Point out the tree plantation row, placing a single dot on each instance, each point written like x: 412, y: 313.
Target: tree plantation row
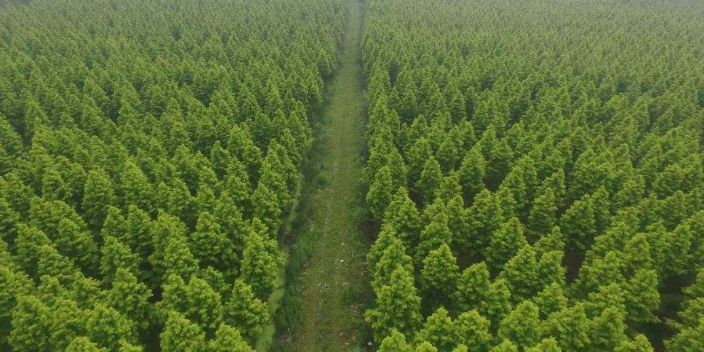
x: 535, y: 171
x: 149, y: 150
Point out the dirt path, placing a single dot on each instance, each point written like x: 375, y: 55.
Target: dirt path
x: 330, y: 313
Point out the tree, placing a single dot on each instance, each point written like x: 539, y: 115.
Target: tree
x: 397, y: 307
x: 570, y: 327
x: 259, y: 266
x: 108, y: 326
x: 439, y: 273
x: 165, y: 231
x: 204, y: 305
x: 552, y: 241
x: 457, y: 222
x: 79, y: 245
x: 497, y: 302
x: 29, y: 333
x: 267, y: 208
x: 228, y: 339
x: 210, y: 246
x: 179, y: 260
x: 642, y: 297
x: 579, y: 225
x: 52, y: 263
x: 600, y: 272
x: 130, y: 298
x: 138, y: 230
x: 395, y: 342
x: 9, y: 220
x: 438, y: 330
x: 428, y: 184
x: 116, y: 255
x: 608, y: 296
x: 689, y: 339
x: 136, y: 187
x: 505, y: 346
x: 27, y: 244
x: 181, y: 335
x: 84, y: 344
x: 639, y: 343
x: 608, y: 330
x: 386, y: 236
x: 472, y: 330
x: 472, y: 286
x: 505, y: 243
x: 54, y: 187
x: 245, y: 312
x: 380, y: 191
x: 98, y: 195
x: 521, y: 275
x: 484, y: 217
x: 546, y: 345
x: 522, y: 325
x: 550, y: 269
x: 542, y: 216
x: 471, y: 173
x: 403, y: 216
x: 181, y: 203
x: 394, y: 256
x: 433, y: 236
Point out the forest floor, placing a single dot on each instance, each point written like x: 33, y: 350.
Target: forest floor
x: 330, y: 315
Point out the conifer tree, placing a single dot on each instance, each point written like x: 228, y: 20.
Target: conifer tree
x: 181, y: 335
x: 472, y: 286
x: 439, y: 274
x: 570, y: 327
x: 84, y: 344
x: 228, y: 339
x: 115, y: 256
x: 546, y: 345
x: 522, y: 325
x: 393, y: 256
x: 608, y: 330
x: 497, y: 302
x: 639, y: 343
x: 210, y: 246
x: 380, y: 192
x: 245, y: 312
x: 438, y: 330
x: 483, y: 217
x: 505, y: 346
x: 397, y: 307
x: 108, y: 326
x: 98, y: 194
x: 259, y: 265
x: 130, y: 298
x: 395, y: 342
x: 136, y: 188
x: 433, y: 236
x: 403, y: 215
x: 505, y: 243
x: 472, y: 330
x: 428, y: 184
x: 578, y: 224
x: 542, y: 216
x: 521, y: 274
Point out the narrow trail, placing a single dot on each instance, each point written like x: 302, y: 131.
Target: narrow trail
x: 330, y: 314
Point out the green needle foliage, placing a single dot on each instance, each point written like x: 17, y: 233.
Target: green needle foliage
x: 554, y: 152
x: 149, y: 152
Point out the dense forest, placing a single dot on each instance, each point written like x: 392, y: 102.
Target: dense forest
x: 535, y: 173
x: 149, y: 151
